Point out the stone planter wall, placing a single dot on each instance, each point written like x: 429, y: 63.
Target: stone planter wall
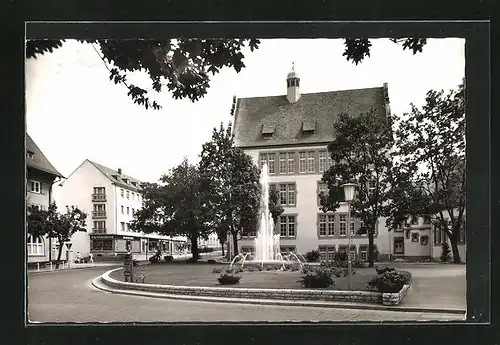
x: 228, y: 292
x: 396, y: 297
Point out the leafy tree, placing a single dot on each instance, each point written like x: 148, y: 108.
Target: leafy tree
x: 56, y: 225
x: 185, y: 64
x: 182, y: 66
x: 233, y: 182
x: 178, y: 206
x: 361, y: 154
x: 431, y: 148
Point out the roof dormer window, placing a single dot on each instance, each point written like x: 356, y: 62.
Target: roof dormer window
x: 267, y: 131
x: 30, y: 154
x: 308, y: 127
x: 126, y: 180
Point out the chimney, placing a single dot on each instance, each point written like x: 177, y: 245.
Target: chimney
x: 119, y: 171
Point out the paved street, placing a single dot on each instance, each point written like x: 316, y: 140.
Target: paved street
x: 67, y: 296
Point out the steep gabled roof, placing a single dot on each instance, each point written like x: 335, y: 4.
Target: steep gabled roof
x: 252, y: 115
x: 117, y: 178
x: 38, y: 160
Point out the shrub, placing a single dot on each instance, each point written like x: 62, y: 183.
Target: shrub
x: 319, y: 278
x: 269, y: 267
x: 168, y: 258
x: 358, y: 264
x: 340, y: 256
x: 375, y: 254
x: 217, y: 270
x: 228, y: 279
x: 154, y: 259
x: 312, y: 256
x: 389, y: 281
x: 294, y: 268
x: 211, y: 261
x: 238, y: 270
x: 229, y: 270
x: 381, y: 270
x: 445, y: 252
x: 250, y: 269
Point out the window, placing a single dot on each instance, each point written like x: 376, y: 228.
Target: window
x: 399, y: 245
x: 343, y: 225
x: 35, y: 245
x: 398, y: 227
x: 287, y: 226
x: 291, y: 162
x: 352, y: 227
x: 322, y: 189
x: 99, y: 207
x: 133, y: 196
x: 287, y: 194
x: 123, y: 209
x: 133, y: 211
x: 99, y: 227
x: 329, y: 161
x: 35, y: 187
x: 128, y: 195
x: 283, y: 163
x: 101, y: 244
x: 326, y: 253
x: 424, y: 240
x: 138, y: 197
x: 310, y: 161
x: 302, y: 162
x: 363, y: 253
x: 413, y: 220
x: 128, y: 227
x: 121, y: 192
x: 371, y: 187
x: 122, y: 224
x: 322, y: 161
x: 263, y: 160
x: 365, y: 231
x: 30, y: 154
x: 128, y: 211
x: 326, y: 225
x: 271, y: 166
x: 99, y: 190
x: 252, y: 233
x: 415, y: 236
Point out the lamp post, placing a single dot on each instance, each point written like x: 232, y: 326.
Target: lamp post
x: 349, y: 196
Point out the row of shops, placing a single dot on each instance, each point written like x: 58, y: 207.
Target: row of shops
x: 121, y: 244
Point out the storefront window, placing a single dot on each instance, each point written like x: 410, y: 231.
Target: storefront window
x: 101, y: 244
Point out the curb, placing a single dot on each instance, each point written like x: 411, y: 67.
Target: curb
x: 100, y: 283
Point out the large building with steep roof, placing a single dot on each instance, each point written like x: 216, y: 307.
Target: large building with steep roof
x: 110, y: 198
x: 41, y: 175
x: 291, y: 133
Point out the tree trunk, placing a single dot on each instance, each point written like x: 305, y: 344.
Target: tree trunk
x: 235, y: 243
x: 59, y: 253
x: 222, y: 247
x: 370, y: 248
x: 194, y: 248
x: 454, y: 247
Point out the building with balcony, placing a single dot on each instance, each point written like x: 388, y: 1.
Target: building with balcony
x: 41, y: 175
x: 110, y: 198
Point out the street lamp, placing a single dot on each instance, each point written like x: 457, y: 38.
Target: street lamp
x: 349, y: 196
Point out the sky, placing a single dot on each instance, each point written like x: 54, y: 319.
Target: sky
x: 75, y: 113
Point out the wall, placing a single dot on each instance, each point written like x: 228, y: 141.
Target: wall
x: 131, y: 202
x: 77, y: 190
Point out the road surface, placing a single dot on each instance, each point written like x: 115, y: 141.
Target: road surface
x: 68, y: 296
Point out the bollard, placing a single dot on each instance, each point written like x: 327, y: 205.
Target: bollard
x: 51, y: 265
x: 38, y: 266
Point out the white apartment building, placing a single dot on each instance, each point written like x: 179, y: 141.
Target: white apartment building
x: 291, y: 133
x: 110, y: 198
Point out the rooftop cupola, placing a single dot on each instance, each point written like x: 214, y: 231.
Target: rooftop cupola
x: 292, y: 85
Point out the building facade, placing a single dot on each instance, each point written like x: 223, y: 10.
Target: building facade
x: 291, y: 134
x: 110, y: 199
x: 41, y: 175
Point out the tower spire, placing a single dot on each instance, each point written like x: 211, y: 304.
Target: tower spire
x: 292, y: 83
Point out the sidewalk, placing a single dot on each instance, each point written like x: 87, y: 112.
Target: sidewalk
x: 73, y: 266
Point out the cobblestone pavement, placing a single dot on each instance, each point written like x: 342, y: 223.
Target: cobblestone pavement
x: 67, y: 296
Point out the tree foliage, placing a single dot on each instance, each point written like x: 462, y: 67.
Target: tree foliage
x: 178, y: 206
x: 57, y: 225
x: 431, y: 148
x: 233, y: 182
x: 183, y: 66
x: 360, y: 154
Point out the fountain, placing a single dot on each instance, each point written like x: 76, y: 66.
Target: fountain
x: 267, y: 244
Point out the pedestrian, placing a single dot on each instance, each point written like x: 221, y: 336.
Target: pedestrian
x: 78, y: 257
x: 91, y: 256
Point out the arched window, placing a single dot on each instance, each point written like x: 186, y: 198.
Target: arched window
x: 35, y: 245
